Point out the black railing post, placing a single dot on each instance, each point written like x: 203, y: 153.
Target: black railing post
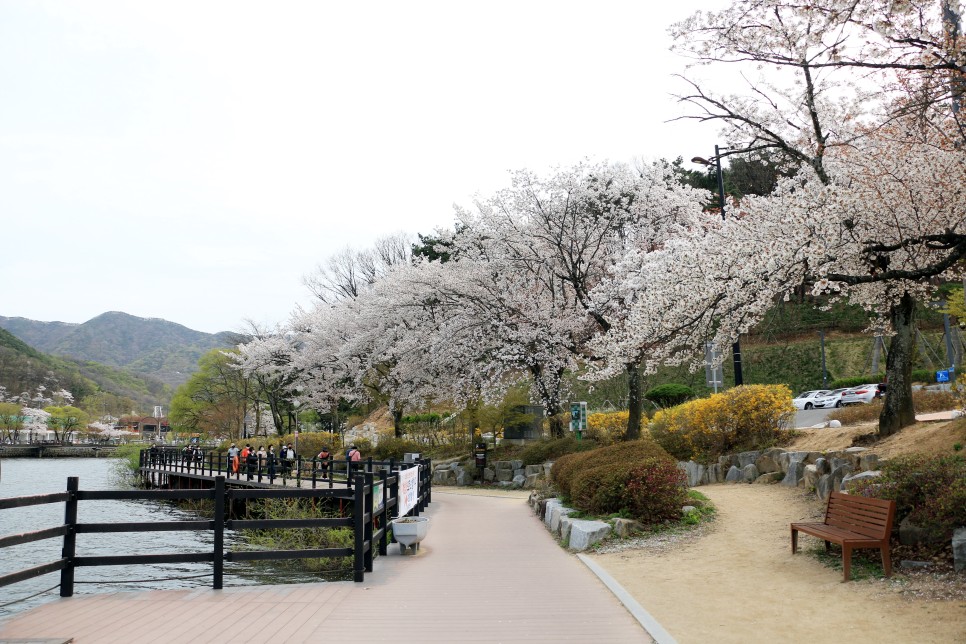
x: 219, y: 541
x: 70, y: 538
x: 298, y: 472
x: 358, y: 526
x: 384, y: 514
x: 368, y: 505
x: 429, y: 481
x: 313, y: 472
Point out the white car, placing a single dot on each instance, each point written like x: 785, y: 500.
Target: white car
x: 807, y: 399
x: 863, y: 394
x: 833, y: 399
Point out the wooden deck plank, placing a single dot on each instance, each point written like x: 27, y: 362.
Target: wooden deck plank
x: 488, y: 571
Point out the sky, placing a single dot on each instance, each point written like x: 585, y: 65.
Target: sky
x: 193, y: 160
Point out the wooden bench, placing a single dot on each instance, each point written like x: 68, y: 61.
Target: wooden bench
x: 853, y: 522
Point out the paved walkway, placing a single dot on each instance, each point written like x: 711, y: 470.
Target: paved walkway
x: 488, y: 571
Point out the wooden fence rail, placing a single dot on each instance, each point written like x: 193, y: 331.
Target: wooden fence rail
x: 369, y: 519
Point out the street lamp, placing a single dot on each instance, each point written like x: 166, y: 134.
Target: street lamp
x: 736, y: 347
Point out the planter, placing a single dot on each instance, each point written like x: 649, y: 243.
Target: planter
x: 409, y: 531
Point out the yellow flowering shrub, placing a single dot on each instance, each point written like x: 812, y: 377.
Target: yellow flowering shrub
x: 607, y: 428
x: 739, y: 419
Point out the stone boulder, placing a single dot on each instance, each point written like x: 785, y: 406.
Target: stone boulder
x: 769, y: 478
x: 861, y: 476
x: 795, y: 471
x: 959, y: 549
x: 787, y: 458
x: 733, y: 475
x: 624, y: 528
x: 532, y: 480
x: 584, y: 533
x: 549, y: 508
x: 519, y: 480
x: 749, y: 473
x: 533, y: 469
x: 768, y: 461
x: 694, y: 471
x: 747, y: 458
x: 503, y: 476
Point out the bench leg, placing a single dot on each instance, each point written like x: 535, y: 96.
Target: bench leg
x: 886, y: 560
x: 828, y: 546
x: 846, y: 561
x: 794, y: 540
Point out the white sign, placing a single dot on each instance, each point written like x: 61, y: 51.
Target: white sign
x: 408, y: 489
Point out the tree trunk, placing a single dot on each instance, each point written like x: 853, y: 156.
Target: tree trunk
x: 635, y: 402
x: 556, y: 420
x: 397, y: 414
x: 897, y: 409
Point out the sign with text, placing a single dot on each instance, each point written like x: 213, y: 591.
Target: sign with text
x: 408, y: 489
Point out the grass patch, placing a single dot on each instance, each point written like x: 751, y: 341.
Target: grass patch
x: 866, y: 564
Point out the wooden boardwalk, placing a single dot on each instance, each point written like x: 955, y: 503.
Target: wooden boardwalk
x: 488, y: 571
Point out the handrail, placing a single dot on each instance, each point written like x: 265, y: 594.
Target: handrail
x: 359, y: 491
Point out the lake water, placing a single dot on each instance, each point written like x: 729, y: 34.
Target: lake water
x: 30, y: 476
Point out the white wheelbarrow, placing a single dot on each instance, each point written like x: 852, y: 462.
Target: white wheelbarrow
x: 409, y: 531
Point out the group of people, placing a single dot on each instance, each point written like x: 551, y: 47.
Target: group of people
x: 192, y: 453
x: 251, y: 461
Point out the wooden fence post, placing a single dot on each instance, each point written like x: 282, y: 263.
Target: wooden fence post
x: 358, y: 526
x: 368, y: 505
x: 70, y: 538
x: 219, y: 542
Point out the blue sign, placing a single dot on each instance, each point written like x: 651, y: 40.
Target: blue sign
x: 942, y: 375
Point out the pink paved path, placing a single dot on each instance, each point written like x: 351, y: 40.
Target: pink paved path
x: 488, y: 571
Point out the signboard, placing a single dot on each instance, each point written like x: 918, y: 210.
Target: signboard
x: 713, y: 371
x: 408, y: 489
x: 942, y: 375
x: 376, y: 496
x: 578, y: 416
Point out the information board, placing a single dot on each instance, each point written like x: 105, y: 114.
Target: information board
x: 408, y: 489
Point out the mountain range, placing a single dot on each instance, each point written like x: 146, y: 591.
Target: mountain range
x: 158, y: 354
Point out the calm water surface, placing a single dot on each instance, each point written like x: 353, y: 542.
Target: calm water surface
x: 29, y: 476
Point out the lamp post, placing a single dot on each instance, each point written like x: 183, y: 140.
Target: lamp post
x: 736, y: 347
x: 295, y: 405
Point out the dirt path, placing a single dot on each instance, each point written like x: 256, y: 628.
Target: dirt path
x: 740, y: 583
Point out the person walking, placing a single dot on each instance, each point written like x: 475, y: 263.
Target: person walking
x: 352, y: 457
x: 251, y: 462
x: 272, y: 459
x: 324, y: 459
x: 232, y: 465
x: 262, y: 460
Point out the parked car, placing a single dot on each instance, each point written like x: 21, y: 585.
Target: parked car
x: 833, y: 399
x: 807, y: 399
x: 863, y: 394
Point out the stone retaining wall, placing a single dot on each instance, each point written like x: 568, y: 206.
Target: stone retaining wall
x: 821, y: 471
x: 504, y: 474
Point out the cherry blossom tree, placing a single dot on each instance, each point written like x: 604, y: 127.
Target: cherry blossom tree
x: 567, y: 231
x: 840, y: 88
x: 888, y: 218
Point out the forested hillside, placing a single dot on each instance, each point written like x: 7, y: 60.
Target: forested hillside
x: 155, y: 348
x: 104, y: 389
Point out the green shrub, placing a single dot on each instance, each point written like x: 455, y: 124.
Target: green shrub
x: 567, y: 467
x: 551, y: 449
x: 855, y: 381
x: 607, y: 428
x: 636, y: 479
x: 394, y: 448
x: 656, y: 491
x: 929, y: 490
x: 670, y: 394
x: 740, y: 419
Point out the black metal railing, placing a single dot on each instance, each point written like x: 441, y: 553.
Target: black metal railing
x: 298, y: 471
x: 369, y: 519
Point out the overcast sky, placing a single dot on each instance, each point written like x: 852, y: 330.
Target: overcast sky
x: 193, y: 160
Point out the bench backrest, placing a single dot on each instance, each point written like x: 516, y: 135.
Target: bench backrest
x: 869, y: 517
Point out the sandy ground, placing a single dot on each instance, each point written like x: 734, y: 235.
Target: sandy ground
x: 740, y: 583
x: 921, y: 438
